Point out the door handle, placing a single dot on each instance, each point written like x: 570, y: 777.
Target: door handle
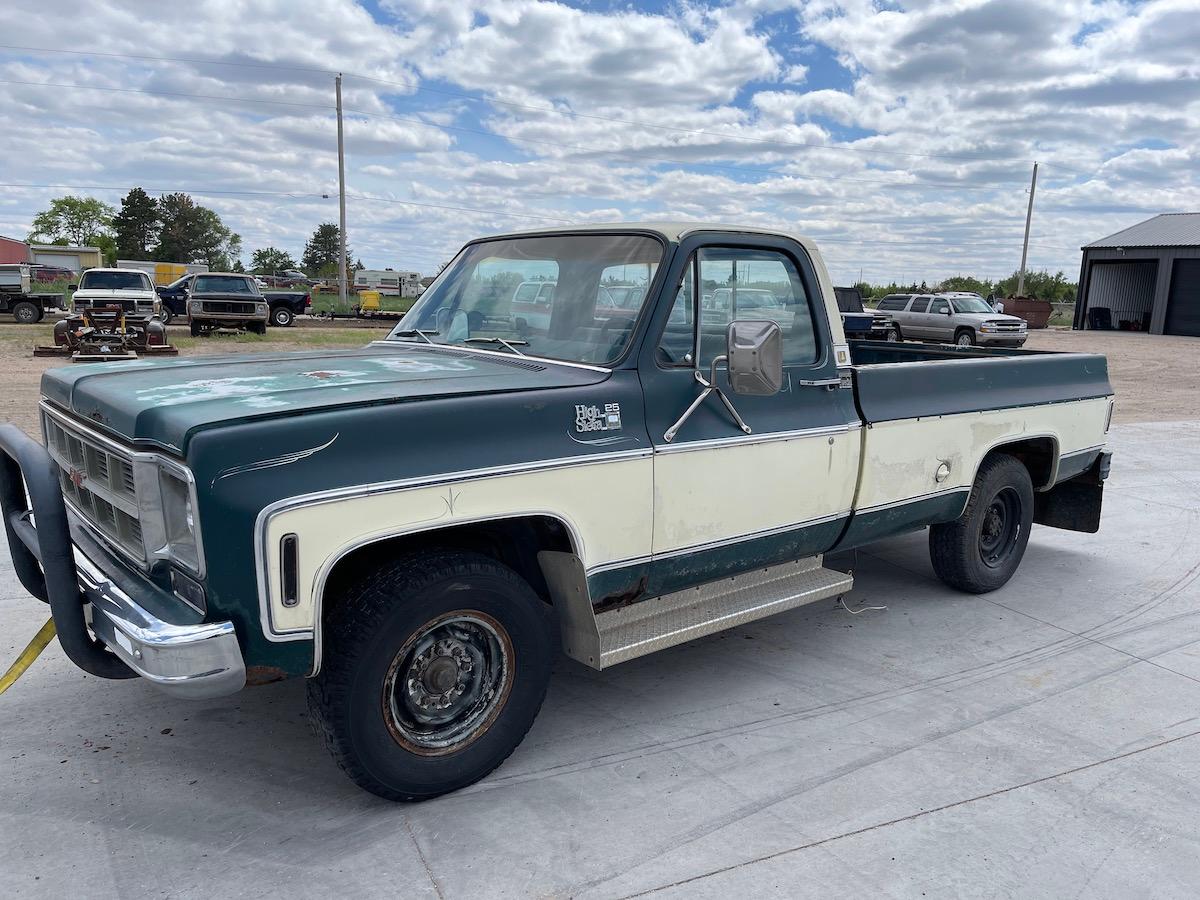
x: 827, y: 383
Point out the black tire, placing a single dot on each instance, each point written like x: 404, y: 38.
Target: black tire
x: 281, y: 316
x: 165, y: 315
x: 365, y: 689
x: 196, y: 330
x: 964, y: 337
x: 895, y: 335
x: 26, y: 312
x: 257, y: 327
x: 979, y: 551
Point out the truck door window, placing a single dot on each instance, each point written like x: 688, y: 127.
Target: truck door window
x: 920, y: 305
x: 940, y: 306
x: 753, y: 284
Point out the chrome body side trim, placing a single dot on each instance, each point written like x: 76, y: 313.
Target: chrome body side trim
x: 764, y: 438
x: 918, y: 499
x: 191, y: 661
x: 718, y: 544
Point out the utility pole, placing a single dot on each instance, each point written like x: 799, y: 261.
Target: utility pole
x: 1028, y: 219
x: 342, y: 200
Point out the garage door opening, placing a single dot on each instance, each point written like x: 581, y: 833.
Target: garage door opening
x: 1121, y: 295
x: 1183, y: 302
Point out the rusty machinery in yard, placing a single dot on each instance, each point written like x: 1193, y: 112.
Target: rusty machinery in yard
x: 107, y: 334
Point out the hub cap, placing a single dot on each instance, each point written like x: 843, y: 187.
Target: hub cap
x: 1001, y: 528
x: 448, y: 683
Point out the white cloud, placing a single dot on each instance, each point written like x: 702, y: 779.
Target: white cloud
x: 734, y: 112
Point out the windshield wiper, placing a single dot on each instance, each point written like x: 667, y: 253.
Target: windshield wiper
x: 416, y: 332
x: 498, y: 340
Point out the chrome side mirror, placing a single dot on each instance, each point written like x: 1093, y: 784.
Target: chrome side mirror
x: 755, y: 350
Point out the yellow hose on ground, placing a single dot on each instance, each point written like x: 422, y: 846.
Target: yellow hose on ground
x: 44, y: 636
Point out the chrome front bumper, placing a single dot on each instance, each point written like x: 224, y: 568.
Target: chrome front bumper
x: 192, y: 661
x: 1007, y: 338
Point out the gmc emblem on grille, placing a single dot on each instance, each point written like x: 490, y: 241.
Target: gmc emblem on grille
x: 77, y: 478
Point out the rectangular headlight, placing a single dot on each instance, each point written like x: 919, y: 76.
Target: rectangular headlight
x: 179, y: 520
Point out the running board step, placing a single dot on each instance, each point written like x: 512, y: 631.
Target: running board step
x: 671, y: 619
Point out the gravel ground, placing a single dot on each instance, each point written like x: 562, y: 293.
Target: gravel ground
x: 1157, y: 378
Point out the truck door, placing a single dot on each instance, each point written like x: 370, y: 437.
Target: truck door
x: 941, y: 324
x: 918, y: 318
x: 726, y: 501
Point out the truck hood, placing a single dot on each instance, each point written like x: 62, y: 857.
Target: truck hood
x: 96, y: 294
x: 164, y: 402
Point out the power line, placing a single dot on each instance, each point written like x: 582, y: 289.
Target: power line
x: 417, y: 87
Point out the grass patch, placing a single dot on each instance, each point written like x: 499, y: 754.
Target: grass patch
x: 328, y: 302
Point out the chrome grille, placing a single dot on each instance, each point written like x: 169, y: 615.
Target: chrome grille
x: 98, y: 482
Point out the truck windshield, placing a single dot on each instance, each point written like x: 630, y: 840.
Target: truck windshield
x: 115, y: 281
x: 224, y: 284
x: 543, y: 296
x: 971, y: 305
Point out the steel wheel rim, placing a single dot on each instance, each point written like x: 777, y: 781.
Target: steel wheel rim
x: 964, y: 340
x: 448, y: 683
x: 1000, y: 529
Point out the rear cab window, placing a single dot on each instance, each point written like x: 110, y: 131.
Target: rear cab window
x: 115, y: 281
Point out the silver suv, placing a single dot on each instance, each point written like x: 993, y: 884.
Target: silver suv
x: 961, y: 320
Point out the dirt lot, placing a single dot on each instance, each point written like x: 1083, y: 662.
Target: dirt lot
x: 1156, y: 378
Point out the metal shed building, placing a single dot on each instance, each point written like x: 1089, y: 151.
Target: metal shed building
x: 1145, y: 278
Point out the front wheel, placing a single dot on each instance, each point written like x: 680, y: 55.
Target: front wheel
x: 196, y: 329
x: 980, y: 551
x: 964, y: 338
x: 433, y: 671
x: 894, y: 335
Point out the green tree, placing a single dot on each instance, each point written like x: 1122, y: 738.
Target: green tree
x: 79, y: 221
x: 321, y: 252
x: 1041, y: 285
x: 194, y: 233
x: 982, y: 287
x: 269, y: 260
x: 135, y: 227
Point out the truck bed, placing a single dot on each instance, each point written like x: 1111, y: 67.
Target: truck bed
x: 907, y: 381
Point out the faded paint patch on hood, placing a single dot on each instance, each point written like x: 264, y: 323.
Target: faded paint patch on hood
x: 164, y: 401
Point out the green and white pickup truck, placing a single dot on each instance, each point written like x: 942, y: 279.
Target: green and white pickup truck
x: 418, y: 526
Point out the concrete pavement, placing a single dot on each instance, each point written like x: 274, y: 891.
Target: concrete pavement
x: 1039, y: 741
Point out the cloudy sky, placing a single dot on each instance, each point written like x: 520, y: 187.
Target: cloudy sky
x: 899, y: 134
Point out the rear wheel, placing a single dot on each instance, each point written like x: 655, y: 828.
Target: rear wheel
x: 165, y: 315
x: 26, y: 312
x: 964, y: 337
x: 980, y: 551
x: 281, y: 316
x: 433, y: 671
